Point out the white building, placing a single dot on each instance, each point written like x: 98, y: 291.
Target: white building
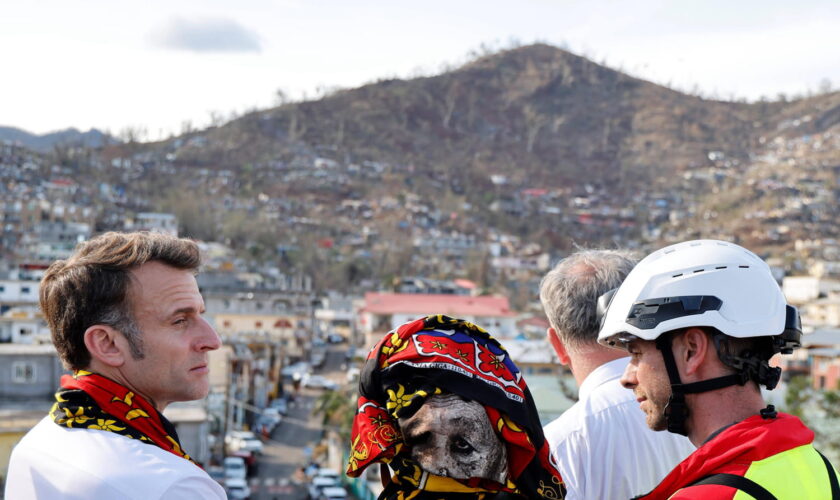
x: 801, y: 289
x: 17, y: 292
x: 156, y: 222
x: 23, y: 327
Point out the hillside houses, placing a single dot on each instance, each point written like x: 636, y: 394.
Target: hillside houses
x: 363, y: 224
x: 20, y: 319
x: 822, y: 348
x: 382, y: 312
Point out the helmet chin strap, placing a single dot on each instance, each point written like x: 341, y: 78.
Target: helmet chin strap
x: 676, y: 411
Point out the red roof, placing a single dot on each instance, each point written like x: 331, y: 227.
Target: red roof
x: 465, y: 283
x: 425, y: 303
x: 534, y: 321
x: 535, y: 192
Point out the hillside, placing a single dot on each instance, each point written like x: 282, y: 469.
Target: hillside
x: 537, y: 109
x: 537, y: 115
x: 534, y: 144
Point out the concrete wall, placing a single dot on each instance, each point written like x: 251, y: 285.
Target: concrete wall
x: 29, y: 371
x: 190, y: 420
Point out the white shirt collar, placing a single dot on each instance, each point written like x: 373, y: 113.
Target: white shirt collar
x: 607, y: 372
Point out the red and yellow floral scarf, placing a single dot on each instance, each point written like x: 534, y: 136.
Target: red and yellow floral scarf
x: 441, y: 354
x: 90, y: 401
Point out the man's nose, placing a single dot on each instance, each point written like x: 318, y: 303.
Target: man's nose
x: 210, y: 340
x: 628, y: 378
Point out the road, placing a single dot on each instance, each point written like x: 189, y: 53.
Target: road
x: 285, y: 452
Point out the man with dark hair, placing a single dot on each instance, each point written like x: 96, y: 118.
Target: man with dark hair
x: 701, y: 320
x: 601, y: 443
x: 125, y: 315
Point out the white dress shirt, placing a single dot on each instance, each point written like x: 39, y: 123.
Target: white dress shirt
x: 603, y: 445
x: 57, y: 463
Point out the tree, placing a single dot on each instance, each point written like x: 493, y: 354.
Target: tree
x: 449, y: 100
x: 338, y: 409
x: 194, y: 220
x: 187, y: 127
x: 829, y: 437
x: 217, y: 118
x: 296, y: 127
x: 798, y: 394
x: 133, y: 134
x: 281, y: 97
x: 534, y: 121
x: 819, y: 410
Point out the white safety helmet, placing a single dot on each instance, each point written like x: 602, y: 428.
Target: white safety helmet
x: 704, y: 283
x: 695, y: 283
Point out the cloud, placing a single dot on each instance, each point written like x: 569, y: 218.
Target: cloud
x: 206, y: 35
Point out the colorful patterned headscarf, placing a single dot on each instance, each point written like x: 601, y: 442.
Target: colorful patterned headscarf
x: 435, y: 355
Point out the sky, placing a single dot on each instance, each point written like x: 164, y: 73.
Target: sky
x: 159, y: 65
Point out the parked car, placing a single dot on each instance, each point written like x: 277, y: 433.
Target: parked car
x: 318, y: 359
x: 237, y: 489
x: 282, y: 405
x: 272, y: 414
x: 243, y: 440
x: 216, y: 473
x: 330, y: 473
x: 265, y: 425
x: 234, y: 468
x: 250, y: 460
x: 318, y: 382
x: 317, y: 485
x: 333, y: 493
x: 300, y: 368
x: 350, y: 353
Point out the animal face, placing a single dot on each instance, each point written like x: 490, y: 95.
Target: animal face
x: 450, y: 436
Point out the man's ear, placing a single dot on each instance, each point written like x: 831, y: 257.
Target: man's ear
x: 693, y: 349
x: 105, y: 345
x: 557, y: 344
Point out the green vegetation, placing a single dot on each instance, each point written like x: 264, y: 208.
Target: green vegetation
x: 819, y: 410
x: 338, y: 409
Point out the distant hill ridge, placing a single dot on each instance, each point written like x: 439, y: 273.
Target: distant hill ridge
x: 93, y: 138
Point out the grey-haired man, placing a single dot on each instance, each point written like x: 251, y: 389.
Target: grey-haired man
x: 603, y: 446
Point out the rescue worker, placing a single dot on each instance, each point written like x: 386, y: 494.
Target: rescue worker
x: 701, y: 320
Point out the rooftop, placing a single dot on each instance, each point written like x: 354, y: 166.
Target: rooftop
x: 529, y: 352
x: 822, y: 337
x: 18, y: 349
x: 825, y: 352
x: 451, y: 305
